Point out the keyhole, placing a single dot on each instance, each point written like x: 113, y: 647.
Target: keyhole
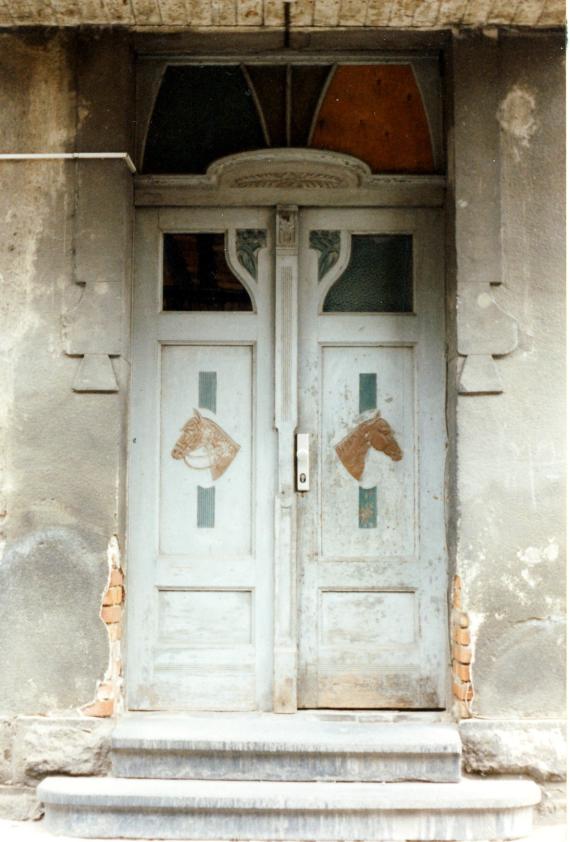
x: 302, y: 477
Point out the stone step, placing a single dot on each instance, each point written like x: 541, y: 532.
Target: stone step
x: 274, y: 747
x: 274, y: 810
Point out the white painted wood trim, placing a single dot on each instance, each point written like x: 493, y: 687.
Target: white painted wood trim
x: 286, y: 332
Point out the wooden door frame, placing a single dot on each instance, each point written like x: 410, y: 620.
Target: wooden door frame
x: 288, y: 179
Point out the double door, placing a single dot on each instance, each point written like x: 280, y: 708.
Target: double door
x: 269, y: 570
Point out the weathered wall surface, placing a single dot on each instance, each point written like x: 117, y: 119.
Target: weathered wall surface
x: 65, y: 269
x: 509, y: 202
x: 61, y: 451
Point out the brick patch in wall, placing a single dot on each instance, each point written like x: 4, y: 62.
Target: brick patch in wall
x: 461, y: 652
x: 108, y: 699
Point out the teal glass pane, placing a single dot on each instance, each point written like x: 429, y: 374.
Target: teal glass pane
x: 379, y: 276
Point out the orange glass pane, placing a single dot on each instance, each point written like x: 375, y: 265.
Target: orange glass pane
x: 376, y: 113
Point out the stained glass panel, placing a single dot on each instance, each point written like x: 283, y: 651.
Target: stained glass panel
x: 375, y: 112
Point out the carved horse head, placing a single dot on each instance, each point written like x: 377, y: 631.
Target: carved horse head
x: 218, y: 449
x: 374, y: 432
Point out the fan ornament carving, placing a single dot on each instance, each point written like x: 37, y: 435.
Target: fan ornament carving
x: 289, y: 169
x: 292, y: 180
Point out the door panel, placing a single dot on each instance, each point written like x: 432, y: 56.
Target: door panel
x: 202, y: 463
x: 371, y: 543
x: 214, y: 521
x: 373, y: 518
x: 204, y: 517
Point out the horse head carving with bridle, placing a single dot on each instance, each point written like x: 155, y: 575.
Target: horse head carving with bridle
x: 373, y: 432
x: 218, y: 449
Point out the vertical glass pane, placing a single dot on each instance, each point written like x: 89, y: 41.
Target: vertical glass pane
x: 378, y: 278
x: 307, y: 82
x: 270, y: 84
x: 196, y: 275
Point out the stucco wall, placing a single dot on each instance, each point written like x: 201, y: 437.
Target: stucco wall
x: 61, y: 451
x: 66, y: 224
x: 510, y: 460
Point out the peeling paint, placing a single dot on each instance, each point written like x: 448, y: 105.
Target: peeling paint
x: 538, y: 555
x: 516, y: 115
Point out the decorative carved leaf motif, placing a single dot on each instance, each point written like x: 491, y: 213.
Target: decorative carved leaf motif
x: 327, y: 243
x: 248, y: 242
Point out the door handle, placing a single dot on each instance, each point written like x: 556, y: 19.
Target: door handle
x: 302, y: 454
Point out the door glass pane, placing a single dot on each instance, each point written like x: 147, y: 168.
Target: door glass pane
x: 196, y: 275
x: 378, y: 278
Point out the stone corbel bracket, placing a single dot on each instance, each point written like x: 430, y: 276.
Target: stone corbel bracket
x: 93, y: 327
x: 93, y: 332
x: 485, y: 331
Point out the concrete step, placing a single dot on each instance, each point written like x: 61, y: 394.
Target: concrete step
x: 273, y: 747
x: 274, y: 810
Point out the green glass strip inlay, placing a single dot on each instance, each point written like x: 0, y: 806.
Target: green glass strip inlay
x: 367, y: 392
x: 206, y: 508
x: 207, y: 388
x: 367, y: 508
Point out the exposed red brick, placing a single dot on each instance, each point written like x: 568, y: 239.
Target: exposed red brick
x: 114, y: 595
x: 100, y: 707
x: 117, y: 578
x: 111, y: 613
x: 463, y: 692
x: 456, y: 592
x: 462, y: 654
x: 462, y: 671
x: 462, y: 636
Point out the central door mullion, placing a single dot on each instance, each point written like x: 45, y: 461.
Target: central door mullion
x: 286, y: 333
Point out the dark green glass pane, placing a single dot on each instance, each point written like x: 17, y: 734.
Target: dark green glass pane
x: 367, y: 508
x: 196, y: 275
x: 367, y: 392
x: 378, y: 278
x: 206, y: 518
x: 201, y: 114
x: 207, y: 390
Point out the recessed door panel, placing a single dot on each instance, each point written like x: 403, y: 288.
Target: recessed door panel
x: 367, y: 453
x: 206, y: 454
x: 202, y: 463
x: 371, y: 547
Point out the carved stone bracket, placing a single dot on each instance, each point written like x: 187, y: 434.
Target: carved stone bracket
x: 93, y: 326
x: 93, y: 331
x: 485, y: 331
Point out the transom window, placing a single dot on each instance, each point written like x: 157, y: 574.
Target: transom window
x: 387, y: 115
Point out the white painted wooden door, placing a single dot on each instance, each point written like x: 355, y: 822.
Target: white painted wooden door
x: 343, y: 340
x: 371, y: 543
x: 200, y: 543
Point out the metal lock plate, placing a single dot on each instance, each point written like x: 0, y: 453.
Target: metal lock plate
x: 302, y: 454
